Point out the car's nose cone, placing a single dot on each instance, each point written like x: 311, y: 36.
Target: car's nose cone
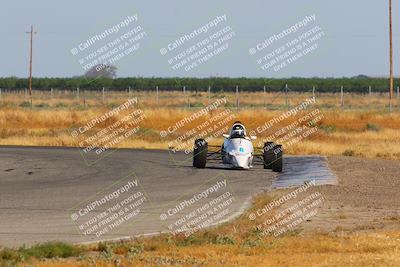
x: 241, y: 162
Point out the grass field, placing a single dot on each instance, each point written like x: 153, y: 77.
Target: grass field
x: 364, y: 128
x: 178, y: 99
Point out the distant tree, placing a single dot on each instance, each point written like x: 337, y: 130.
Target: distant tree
x: 106, y: 78
x: 361, y: 76
x: 102, y: 70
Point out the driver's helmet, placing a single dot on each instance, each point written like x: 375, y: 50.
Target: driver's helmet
x: 238, y: 131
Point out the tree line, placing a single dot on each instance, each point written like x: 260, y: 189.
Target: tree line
x: 356, y: 84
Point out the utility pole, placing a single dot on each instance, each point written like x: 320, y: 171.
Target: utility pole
x: 391, y: 56
x: 30, y: 62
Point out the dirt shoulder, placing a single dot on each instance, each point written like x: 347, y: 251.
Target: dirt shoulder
x: 367, y: 197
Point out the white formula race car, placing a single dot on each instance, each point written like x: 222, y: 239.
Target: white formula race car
x: 237, y: 152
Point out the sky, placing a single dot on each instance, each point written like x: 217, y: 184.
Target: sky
x: 346, y: 38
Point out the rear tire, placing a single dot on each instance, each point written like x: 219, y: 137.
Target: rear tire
x: 200, y: 153
x: 268, y: 155
x: 277, y: 166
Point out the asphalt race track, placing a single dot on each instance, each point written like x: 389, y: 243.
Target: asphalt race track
x: 41, y: 189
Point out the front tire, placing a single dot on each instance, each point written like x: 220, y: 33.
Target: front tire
x: 277, y: 166
x: 268, y: 155
x: 200, y: 153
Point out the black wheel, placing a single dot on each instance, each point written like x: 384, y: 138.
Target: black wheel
x: 268, y: 155
x: 200, y: 153
x: 277, y: 166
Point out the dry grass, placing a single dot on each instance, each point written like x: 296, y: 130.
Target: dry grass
x: 173, y: 99
x: 360, y: 131
x: 319, y: 250
x: 239, y: 244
